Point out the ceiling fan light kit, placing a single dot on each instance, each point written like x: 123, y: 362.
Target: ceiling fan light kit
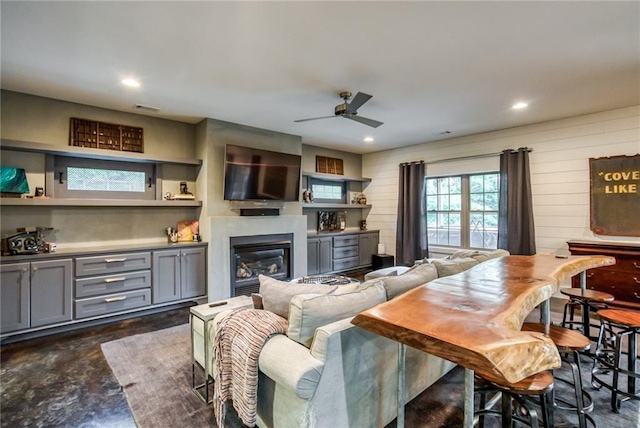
x: 349, y: 110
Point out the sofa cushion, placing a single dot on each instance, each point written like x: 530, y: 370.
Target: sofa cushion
x: 480, y: 256
x: 276, y: 295
x: 388, y: 271
x: 448, y: 267
x: 417, y: 275
x: 310, y: 311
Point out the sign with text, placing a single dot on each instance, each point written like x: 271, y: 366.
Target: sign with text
x: 615, y: 195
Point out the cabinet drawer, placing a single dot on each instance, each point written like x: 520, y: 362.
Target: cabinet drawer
x: 596, y: 277
x: 97, y: 285
x: 96, y: 306
x: 113, y: 263
x: 630, y: 265
x: 344, y: 264
x: 629, y: 293
x: 344, y: 252
x: 345, y: 241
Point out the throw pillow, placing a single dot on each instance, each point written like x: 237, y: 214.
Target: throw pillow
x: 307, y: 312
x: 276, y: 295
x: 417, y: 275
x: 452, y: 267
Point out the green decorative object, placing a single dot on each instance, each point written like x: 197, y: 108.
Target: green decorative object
x: 13, y: 180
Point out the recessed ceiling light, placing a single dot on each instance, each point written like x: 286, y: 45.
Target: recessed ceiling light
x: 518, y: 106
x: 131, y: 82
x: 368, y: 139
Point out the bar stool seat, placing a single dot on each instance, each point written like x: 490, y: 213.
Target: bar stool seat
x: 569, y: 343
x: 586, y: 300
x: 538, y: 385
x: 616, y: 324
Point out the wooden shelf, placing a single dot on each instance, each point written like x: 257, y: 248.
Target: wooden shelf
x: 60, y: 202
x: 341, y: 206
x: 87, y: 153
x: 334, y: 177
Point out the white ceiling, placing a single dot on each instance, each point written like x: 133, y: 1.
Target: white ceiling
x: 430, y: 66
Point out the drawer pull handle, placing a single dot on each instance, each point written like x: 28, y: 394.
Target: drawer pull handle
x: 109, y: 280
x: 636, y: 265
x: 119, y: 259
x: 636, y: 294
x: 115, y: 299
x: 636, y: 280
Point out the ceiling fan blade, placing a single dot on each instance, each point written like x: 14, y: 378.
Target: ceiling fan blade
x: 365, y: 120
x: 357, y: 101
x: 315, y: 118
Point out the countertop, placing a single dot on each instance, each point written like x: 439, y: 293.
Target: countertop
x: 101, y: 249
x: 315, y: 234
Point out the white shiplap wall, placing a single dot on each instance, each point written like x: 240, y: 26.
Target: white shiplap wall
x: 559, y: 171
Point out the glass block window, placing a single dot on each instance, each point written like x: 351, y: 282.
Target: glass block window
x: 110, y: 180
x: 462, y: 211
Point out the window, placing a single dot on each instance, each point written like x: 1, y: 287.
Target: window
x: 97, y: 179
x: 462, y: 211
x: 105, y: 179
x: 327, y: 191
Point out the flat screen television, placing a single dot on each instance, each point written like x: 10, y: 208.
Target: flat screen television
x: 258, y: 175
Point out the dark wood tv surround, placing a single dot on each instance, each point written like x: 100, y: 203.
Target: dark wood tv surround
x: 621, y: 280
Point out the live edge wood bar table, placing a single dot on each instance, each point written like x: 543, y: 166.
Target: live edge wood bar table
x: 474, y: 318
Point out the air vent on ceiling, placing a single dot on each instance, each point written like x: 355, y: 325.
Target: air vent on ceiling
x: 146, y: 108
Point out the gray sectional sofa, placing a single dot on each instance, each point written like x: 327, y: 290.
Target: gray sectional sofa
x: 326, y: 372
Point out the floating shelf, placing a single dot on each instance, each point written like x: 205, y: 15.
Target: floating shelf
x: 88, y: 153
x: 60, y: 202
x: 342, y: 206
x: 334, y: 177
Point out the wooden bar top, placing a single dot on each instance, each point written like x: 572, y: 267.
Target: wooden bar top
x: 474, y: 318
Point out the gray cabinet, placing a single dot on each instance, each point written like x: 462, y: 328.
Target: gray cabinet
x: 368, y: 246
x: 345, y: 252
x: 112, y: 282
x: 51, y: 292
x: 178, y: 274
x: 340, y: 252
x: 14, y: 289
x: 46, y: 291
x: 319, y: 255
x: 193, y: 272
x: 36, y: 294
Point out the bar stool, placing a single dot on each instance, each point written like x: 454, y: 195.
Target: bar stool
x: 514, y: 406
x: 586, y: 300
x: 569, y: 343
x: 616, y: 324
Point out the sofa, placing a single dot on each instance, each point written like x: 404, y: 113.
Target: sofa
x: 326, y: 372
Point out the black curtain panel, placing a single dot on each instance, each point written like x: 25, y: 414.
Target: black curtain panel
x: 516, y: 231
x: 411, y: 233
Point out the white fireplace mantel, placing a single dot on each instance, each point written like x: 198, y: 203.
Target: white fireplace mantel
x: 225, y: 227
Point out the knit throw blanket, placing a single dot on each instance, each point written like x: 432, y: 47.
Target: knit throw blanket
x: 239, y: 339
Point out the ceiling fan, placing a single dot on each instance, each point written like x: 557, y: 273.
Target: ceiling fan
x: 348, y: 110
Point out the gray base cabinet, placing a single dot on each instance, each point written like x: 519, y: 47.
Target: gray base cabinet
x: 340, y: 253
x: 43, y: 291
x: 368, y: 246
x: 35, y: 294
x: 319, y: 255
x: 51, y: 292
x: 14, y: 301
x: 178, y: 274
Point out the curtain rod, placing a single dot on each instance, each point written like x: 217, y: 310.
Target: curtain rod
x: 486, y: 155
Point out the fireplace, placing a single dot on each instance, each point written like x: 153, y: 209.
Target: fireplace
x: 251, y: 256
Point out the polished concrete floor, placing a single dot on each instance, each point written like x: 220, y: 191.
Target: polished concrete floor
x: 64, y: 381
